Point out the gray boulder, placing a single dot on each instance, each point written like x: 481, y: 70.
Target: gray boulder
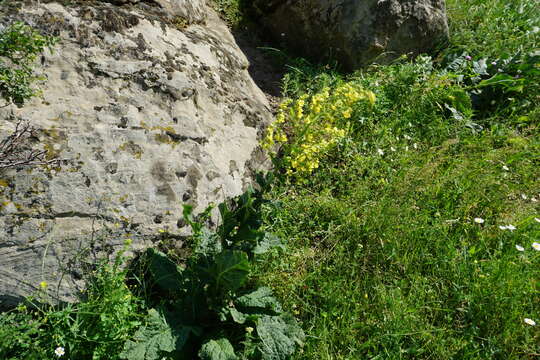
x: 355, y: 32
x: 147, y: 115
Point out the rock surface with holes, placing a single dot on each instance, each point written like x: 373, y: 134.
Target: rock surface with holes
x: 354, y: 32
x: 149, y: 112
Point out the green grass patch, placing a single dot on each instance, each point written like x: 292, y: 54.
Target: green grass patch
x: 495, y: 27
x: 395, y: 245
x: 386, y: 260
x: 95, y: 328
x: 415, y: 236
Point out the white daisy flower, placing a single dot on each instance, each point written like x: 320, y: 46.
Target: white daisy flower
x: 392, y: 148
x: 502, y: 227
x: 520, y: 248
x: 380, y: 152
x: 59, y: 351
x: 536, y: 246
x: 510, y: 227
x: 524, y: 197
x: 407, y: 137
x: 533, y: 199
x: 407, y: 148
x: 415, y: 146
x: 479, y: 220
x: 506, y: 168
x: 529, y: 321
x: 537, y: 220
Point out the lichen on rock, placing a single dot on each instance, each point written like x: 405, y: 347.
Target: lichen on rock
x: 149, y: 115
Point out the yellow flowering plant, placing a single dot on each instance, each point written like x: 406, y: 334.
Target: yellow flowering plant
x: 305, y: 130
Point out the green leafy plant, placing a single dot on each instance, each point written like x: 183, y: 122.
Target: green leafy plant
x: 495, y: 83
x: 208, y: 307
x: 20, y: 333
x: 308, y: 128
x: 95, y: 328
x: 233, y: 11
x: 20, y: 46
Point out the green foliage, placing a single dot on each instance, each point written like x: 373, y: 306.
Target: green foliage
x: 502, y: 84
x: 165, y: 272
x: 95, y: 328
x: 233, y: 11
x: 279, y: 337
x: 261, y: 298
x: 154, y: 339
x: 20, y: 45
x: 386, y: 258
x: 211, y: 298
x: 229, y: 270
x: 303, y: 77
x: 309, y: 131
x: 220, y: 349
x: 18, y: 332
x: 493, y: 28
x: 395, y: 246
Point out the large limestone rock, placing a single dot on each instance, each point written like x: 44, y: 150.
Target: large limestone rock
x: 149, y: 114
x: 356, y: 32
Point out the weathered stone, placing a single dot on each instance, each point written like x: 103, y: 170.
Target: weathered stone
x: 194, y: 11
x: 148, y: 116
x: 356, y: 32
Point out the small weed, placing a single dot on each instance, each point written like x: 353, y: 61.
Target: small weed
x: 95, y: 328
x: 20, y: 46
x: 233, y: 11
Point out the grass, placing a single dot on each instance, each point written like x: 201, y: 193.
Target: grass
x: 385, y: 259
x: 95, y: 328
x: 391, y: 264
x: 394, y: 246
x: 495, y: 27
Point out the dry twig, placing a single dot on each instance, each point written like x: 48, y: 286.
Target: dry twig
x: 15, y: 150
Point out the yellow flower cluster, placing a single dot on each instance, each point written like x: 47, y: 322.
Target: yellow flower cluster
x: 306, y: 129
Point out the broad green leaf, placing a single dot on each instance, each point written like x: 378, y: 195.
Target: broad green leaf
x: 254, y: 305
x: 230, y: 269
x: 164, y: 271
x: 227, y: 218
x: 504, y: 80
x: 208, y: 242
x: 154, y: 339
x: 268, y: 241
x: 220, y: 349
x: 237, y: 316
x: 242, y: 221
x: 279, y: 336
x: 262, y: 298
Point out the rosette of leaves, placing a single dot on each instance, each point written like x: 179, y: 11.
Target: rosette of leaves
x: 207, y: 308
